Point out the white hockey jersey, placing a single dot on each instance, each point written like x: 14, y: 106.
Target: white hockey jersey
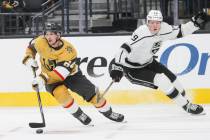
x: 139, y: 50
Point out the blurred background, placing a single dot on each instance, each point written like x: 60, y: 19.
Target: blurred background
x: 26, y: 18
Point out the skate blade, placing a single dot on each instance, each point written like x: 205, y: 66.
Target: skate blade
x: 201, y: 114
x: 90, y: 125
x: 125, y: 121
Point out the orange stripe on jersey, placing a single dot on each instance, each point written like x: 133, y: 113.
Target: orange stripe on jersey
x: 59, y: 74
x: 102, y: 105
x: 69, y: 105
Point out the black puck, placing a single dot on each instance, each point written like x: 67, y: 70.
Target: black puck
x: 39, y: 131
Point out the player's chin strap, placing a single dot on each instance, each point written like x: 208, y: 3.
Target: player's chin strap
x: 58, y: 39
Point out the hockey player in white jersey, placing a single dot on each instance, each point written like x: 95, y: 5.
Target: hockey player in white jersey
x: 135, y: 59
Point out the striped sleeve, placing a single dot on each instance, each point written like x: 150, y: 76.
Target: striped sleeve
x: 61, y: 71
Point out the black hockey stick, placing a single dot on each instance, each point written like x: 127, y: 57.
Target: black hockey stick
x: 100, y: 96
x: 35, y: 124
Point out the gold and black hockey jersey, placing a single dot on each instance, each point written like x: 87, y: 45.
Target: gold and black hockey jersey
x: 55, y: 63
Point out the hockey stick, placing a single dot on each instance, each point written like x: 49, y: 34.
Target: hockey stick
x: 34, y: 124
x: 100, y: 96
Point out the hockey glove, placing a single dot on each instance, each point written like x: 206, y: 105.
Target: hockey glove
x: 200, y: 20
x: 31, y: 63
x: 39, y: 82
x: 116, y: 72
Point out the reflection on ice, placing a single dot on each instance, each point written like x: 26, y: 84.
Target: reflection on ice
x: 145, y: 122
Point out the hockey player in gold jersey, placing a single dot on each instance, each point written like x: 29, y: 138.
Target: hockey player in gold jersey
x: 59, y: 72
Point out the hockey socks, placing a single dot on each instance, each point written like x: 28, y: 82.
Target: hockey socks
x: 106, y: 110
x: 181, y: 100
x: 77, y: 112
x: 188, y: 107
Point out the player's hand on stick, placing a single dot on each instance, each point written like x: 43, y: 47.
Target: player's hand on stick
x: 31, y: 63
x: 39, y: 82
x: 116, y: 72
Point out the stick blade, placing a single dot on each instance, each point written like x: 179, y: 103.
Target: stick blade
x: 36, y: 125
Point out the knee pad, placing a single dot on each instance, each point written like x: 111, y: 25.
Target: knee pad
x: 163, y: 82
x: 62, y: 95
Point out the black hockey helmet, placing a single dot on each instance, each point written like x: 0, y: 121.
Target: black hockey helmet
x: 52, y: 27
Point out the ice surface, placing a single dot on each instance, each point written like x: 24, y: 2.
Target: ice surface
x: 144, y: 122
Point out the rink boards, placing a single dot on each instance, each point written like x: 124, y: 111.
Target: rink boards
x: 187, y: 57
x: 125, y: 97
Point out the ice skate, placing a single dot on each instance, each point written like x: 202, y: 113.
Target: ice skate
x: 82, y: 117
x: 193, y: 109
x: 113, y: 115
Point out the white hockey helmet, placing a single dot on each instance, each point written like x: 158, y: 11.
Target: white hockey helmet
x: 154, y: 15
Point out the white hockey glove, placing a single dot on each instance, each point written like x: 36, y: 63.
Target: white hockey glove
x: 39, y: 82
x: 31, y: 63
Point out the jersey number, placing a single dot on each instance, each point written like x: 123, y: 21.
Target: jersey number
x: 134, y: 37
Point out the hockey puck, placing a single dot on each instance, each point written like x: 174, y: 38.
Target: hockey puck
x: 39, y: 131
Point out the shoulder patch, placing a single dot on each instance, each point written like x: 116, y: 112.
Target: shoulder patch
x: 69, y: 49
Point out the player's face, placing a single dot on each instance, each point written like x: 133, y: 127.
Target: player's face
x: 52, y: 38
x: 154, y: 26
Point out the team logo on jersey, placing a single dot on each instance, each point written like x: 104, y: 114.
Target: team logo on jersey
x: 49, y: 64
x: 156, y: 46
x: 69, y: 49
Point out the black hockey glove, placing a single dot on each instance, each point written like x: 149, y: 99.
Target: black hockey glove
x: 200, y: 20
x: 116, y: 72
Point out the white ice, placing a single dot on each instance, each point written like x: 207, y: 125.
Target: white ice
x: 144, y: 122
